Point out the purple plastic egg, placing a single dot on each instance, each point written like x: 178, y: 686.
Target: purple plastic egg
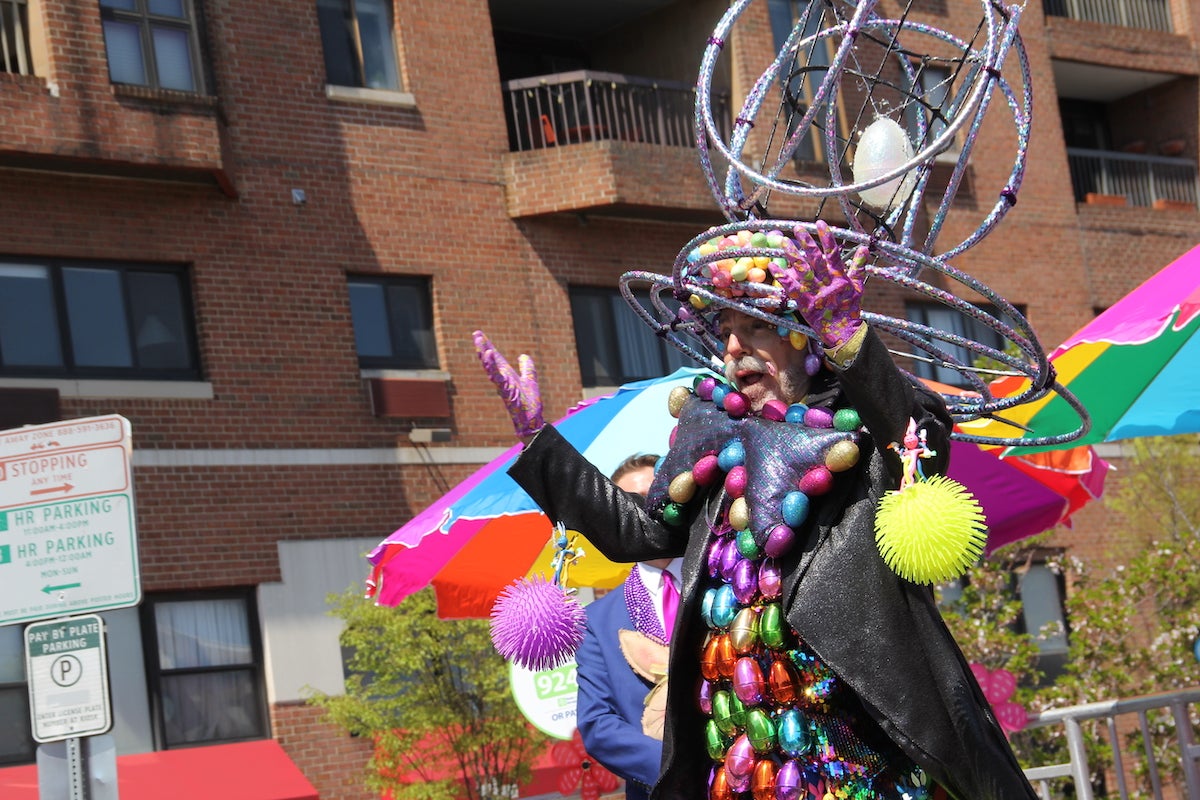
x: 745, y: 581
x: 775, y: 410
x: 787, y: 781
x: 705, y: 388
x: 730, y: 556
x: 706, y: 469
x: 779, y: 541
x: 817, y: 481
x: 818, y: 418
x: 736, y: 405
x: 735, y: 481
x: 706, y: 693
x: 770, y: 580
x: 714, y: 557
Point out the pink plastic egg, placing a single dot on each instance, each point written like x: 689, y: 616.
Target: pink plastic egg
x: 735, y: 481
x: 817, y: 481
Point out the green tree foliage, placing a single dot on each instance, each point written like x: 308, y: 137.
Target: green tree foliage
x: 434, y: 696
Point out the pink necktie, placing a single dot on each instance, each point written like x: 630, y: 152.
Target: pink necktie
x: 670, y: 602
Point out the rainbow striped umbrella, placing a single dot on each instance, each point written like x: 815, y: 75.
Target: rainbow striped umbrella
x: 1133, y: 367
x: 484, y: 533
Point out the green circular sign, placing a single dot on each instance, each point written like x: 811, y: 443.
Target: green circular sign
x: 547, y: 698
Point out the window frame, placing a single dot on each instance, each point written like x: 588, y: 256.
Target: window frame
x: 21, y: 688
x: 68, y: 368
x: 155, y: 674
x: 424, y: 283
x: 670, y: 358
x: 928, y: 371
x: 358, y: 65
x: 146, y: 22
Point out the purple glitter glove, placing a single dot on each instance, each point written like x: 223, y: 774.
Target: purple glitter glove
x: 518, y: 390
x: 828, y: 293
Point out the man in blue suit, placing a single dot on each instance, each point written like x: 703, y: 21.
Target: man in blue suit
x: 624, y: 628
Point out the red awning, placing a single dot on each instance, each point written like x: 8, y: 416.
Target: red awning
x: 247, y: 771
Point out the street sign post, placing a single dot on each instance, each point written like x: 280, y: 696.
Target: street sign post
x: 68, y: 542
x: 68, y: 678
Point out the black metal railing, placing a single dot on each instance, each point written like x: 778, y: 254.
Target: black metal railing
x: 587, y: 106
x: 1142, y: 180
x: 1152, y: 15
x: 14, y: 37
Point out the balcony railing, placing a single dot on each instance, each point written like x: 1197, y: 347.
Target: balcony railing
x: 1152, y: 15
x: 586, y: 106
x: 14, y: 37
x: 1154, y: 181
x: 1174, y: 768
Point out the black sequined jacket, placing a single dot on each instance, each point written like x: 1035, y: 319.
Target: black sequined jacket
x: 882, y: 635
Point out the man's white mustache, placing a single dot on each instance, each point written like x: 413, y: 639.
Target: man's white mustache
x: 752, y: 363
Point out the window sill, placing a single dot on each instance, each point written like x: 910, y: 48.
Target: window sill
x: 407, y: 374
x: 381, y: 97
x: 158, y: 390
x: 165, y: 96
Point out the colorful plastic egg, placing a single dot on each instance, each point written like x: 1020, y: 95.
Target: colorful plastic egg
x: 745, y: 581
x: 740, y: 761
x: 771, y: 626
x: 841, y: 456
x: 705, y: 470
x: 718, y: 394
x: 748, y: 681
x: 724, y: 606
x: 783, y: 682
x: 708, y: 660
x: 739, y: 514
x: 770, y: 580
x: 816, y: 481
x: 715, y: 742
x: 798, y: 340
x: 733, y: 454
x: 722, y: 713
x: 705, y: 697
x: 795, y: 413
x: 779, y: 541
x: 787, y: 781
x: 795, y: 508
x: 735, y: 481
x: 741, y: 268
x: 743, y: 631
x: 760, y: 730
x: 736, y: 404
x: 818, y: 418
x: 675, y: 400
x: 718, y: 786
x: 846, y: 419
x: 706, y: 604
x: 793, y: 732
x: 726, y: 657
x: 682, y: 487
x: 762, y: 782
x: 704, y: 387
x: 729, y: 559
x: 738, y: 709
x: 746, y: 544
x: 672, y: 514
x: 775, y: 410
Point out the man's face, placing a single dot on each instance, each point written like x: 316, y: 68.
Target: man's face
x: 636, y: 481
x: 758, y: 361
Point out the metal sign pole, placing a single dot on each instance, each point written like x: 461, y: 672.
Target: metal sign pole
x: 77, y: 768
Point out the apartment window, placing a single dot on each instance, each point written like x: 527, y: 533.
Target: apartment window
x: 357, y: 39
x: 152, y: 43
x: 803, y: 73
x: 615, y: 346
x: 393, y: 322
x: 95, y: 320
x: 204, y: 668
x: 934, y: 88
x: 14, y: 37
x: 1044, y: 616
x: 16, y: 739
x: 949, y: 320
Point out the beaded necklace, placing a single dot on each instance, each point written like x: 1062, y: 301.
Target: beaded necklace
x: 780, y: 726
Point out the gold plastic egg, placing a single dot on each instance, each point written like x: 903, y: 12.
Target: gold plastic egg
x: 842, y: 456
x: 739, y: 514
x: 676, y: 399
x: 682, y: 487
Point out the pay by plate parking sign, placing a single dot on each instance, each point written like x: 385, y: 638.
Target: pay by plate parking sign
x: 68, y: 678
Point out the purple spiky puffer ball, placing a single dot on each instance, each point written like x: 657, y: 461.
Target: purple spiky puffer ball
x: 536, y: 625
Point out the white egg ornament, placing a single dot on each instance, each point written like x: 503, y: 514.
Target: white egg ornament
x: 883, y: 147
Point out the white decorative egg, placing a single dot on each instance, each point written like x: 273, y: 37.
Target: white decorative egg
x: 883, y: 147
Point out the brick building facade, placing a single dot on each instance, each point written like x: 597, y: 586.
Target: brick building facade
x: 328, y: 198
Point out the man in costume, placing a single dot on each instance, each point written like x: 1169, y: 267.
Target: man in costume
x: 623, y: 658
x: 802, y: 666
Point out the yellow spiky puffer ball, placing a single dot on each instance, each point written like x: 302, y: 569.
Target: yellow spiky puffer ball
x: 931, y: 531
